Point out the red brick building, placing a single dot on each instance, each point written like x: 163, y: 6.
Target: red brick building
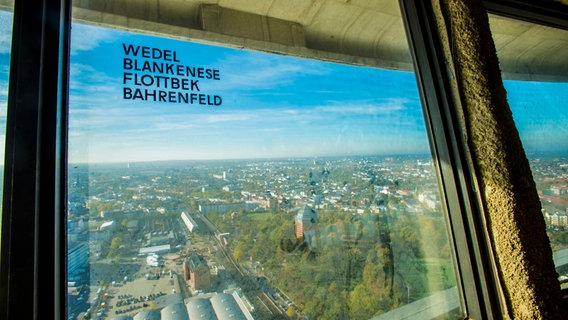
x: 196, y: 271
x: 305, y: 223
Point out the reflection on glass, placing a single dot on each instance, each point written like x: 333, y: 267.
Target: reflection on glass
x: 204, y: 179
x: 538, y: 103
x: 5, y: 40
x: 539, y: 110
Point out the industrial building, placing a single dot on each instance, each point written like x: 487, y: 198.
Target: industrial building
x: 217, y: 306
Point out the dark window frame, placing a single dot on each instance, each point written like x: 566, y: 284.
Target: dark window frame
x: 33, y: 257
x: 33, y: 270
x: 479, y: 280
x: 473, y: 258
x: 547, y: 13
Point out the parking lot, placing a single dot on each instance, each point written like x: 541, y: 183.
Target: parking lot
x: 135, y: 288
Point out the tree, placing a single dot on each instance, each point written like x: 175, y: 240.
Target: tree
x: 114, y: 247
x: 240, y: 250
x: 362, y: 303
x: 291, y: 312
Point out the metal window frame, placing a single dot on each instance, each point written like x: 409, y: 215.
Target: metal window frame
x: 482, y: 296
x: 547, y: 13
x: 473, y: 259
x: 33, y: 248
x: 33, y: 270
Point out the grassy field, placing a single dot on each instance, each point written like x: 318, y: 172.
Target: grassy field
x: 256, y: 217
x: 440, y: 274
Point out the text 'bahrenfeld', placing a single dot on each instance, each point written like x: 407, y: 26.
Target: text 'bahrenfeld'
x: 153, y: 74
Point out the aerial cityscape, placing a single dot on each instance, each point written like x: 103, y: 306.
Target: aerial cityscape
x: 302, y: 238
x: 313, y: 238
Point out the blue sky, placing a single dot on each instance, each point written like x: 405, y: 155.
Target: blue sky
x: 540, y: 111
x: 273, y: 106
x: 5, y: 35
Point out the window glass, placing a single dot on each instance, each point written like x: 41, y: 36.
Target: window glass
x: 5, y: 40
x: 533, y: 60
x: 206, y: 180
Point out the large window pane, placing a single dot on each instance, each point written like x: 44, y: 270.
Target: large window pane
x: 537, y: 95
x: 204, y: 178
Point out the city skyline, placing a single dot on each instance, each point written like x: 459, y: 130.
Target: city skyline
x: 273, y: 106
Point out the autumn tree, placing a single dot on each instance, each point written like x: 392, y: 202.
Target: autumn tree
x: 115, y: 244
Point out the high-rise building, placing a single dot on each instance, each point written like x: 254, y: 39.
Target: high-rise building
x: 77, y: 258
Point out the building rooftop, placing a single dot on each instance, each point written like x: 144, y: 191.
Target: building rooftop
x: 214, y: 306
x: 195, y: 261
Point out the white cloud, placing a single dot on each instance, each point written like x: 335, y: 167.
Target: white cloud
x: 85, y: 37
x: 253, y: 71
x: 361, y: 109
x: 227, y: 117
x: 5, y: 31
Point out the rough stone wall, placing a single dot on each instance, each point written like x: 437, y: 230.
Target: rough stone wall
x: 508, y: 194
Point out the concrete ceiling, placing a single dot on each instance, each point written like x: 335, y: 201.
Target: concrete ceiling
x: 530, y: 52
x: 366, y: 32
